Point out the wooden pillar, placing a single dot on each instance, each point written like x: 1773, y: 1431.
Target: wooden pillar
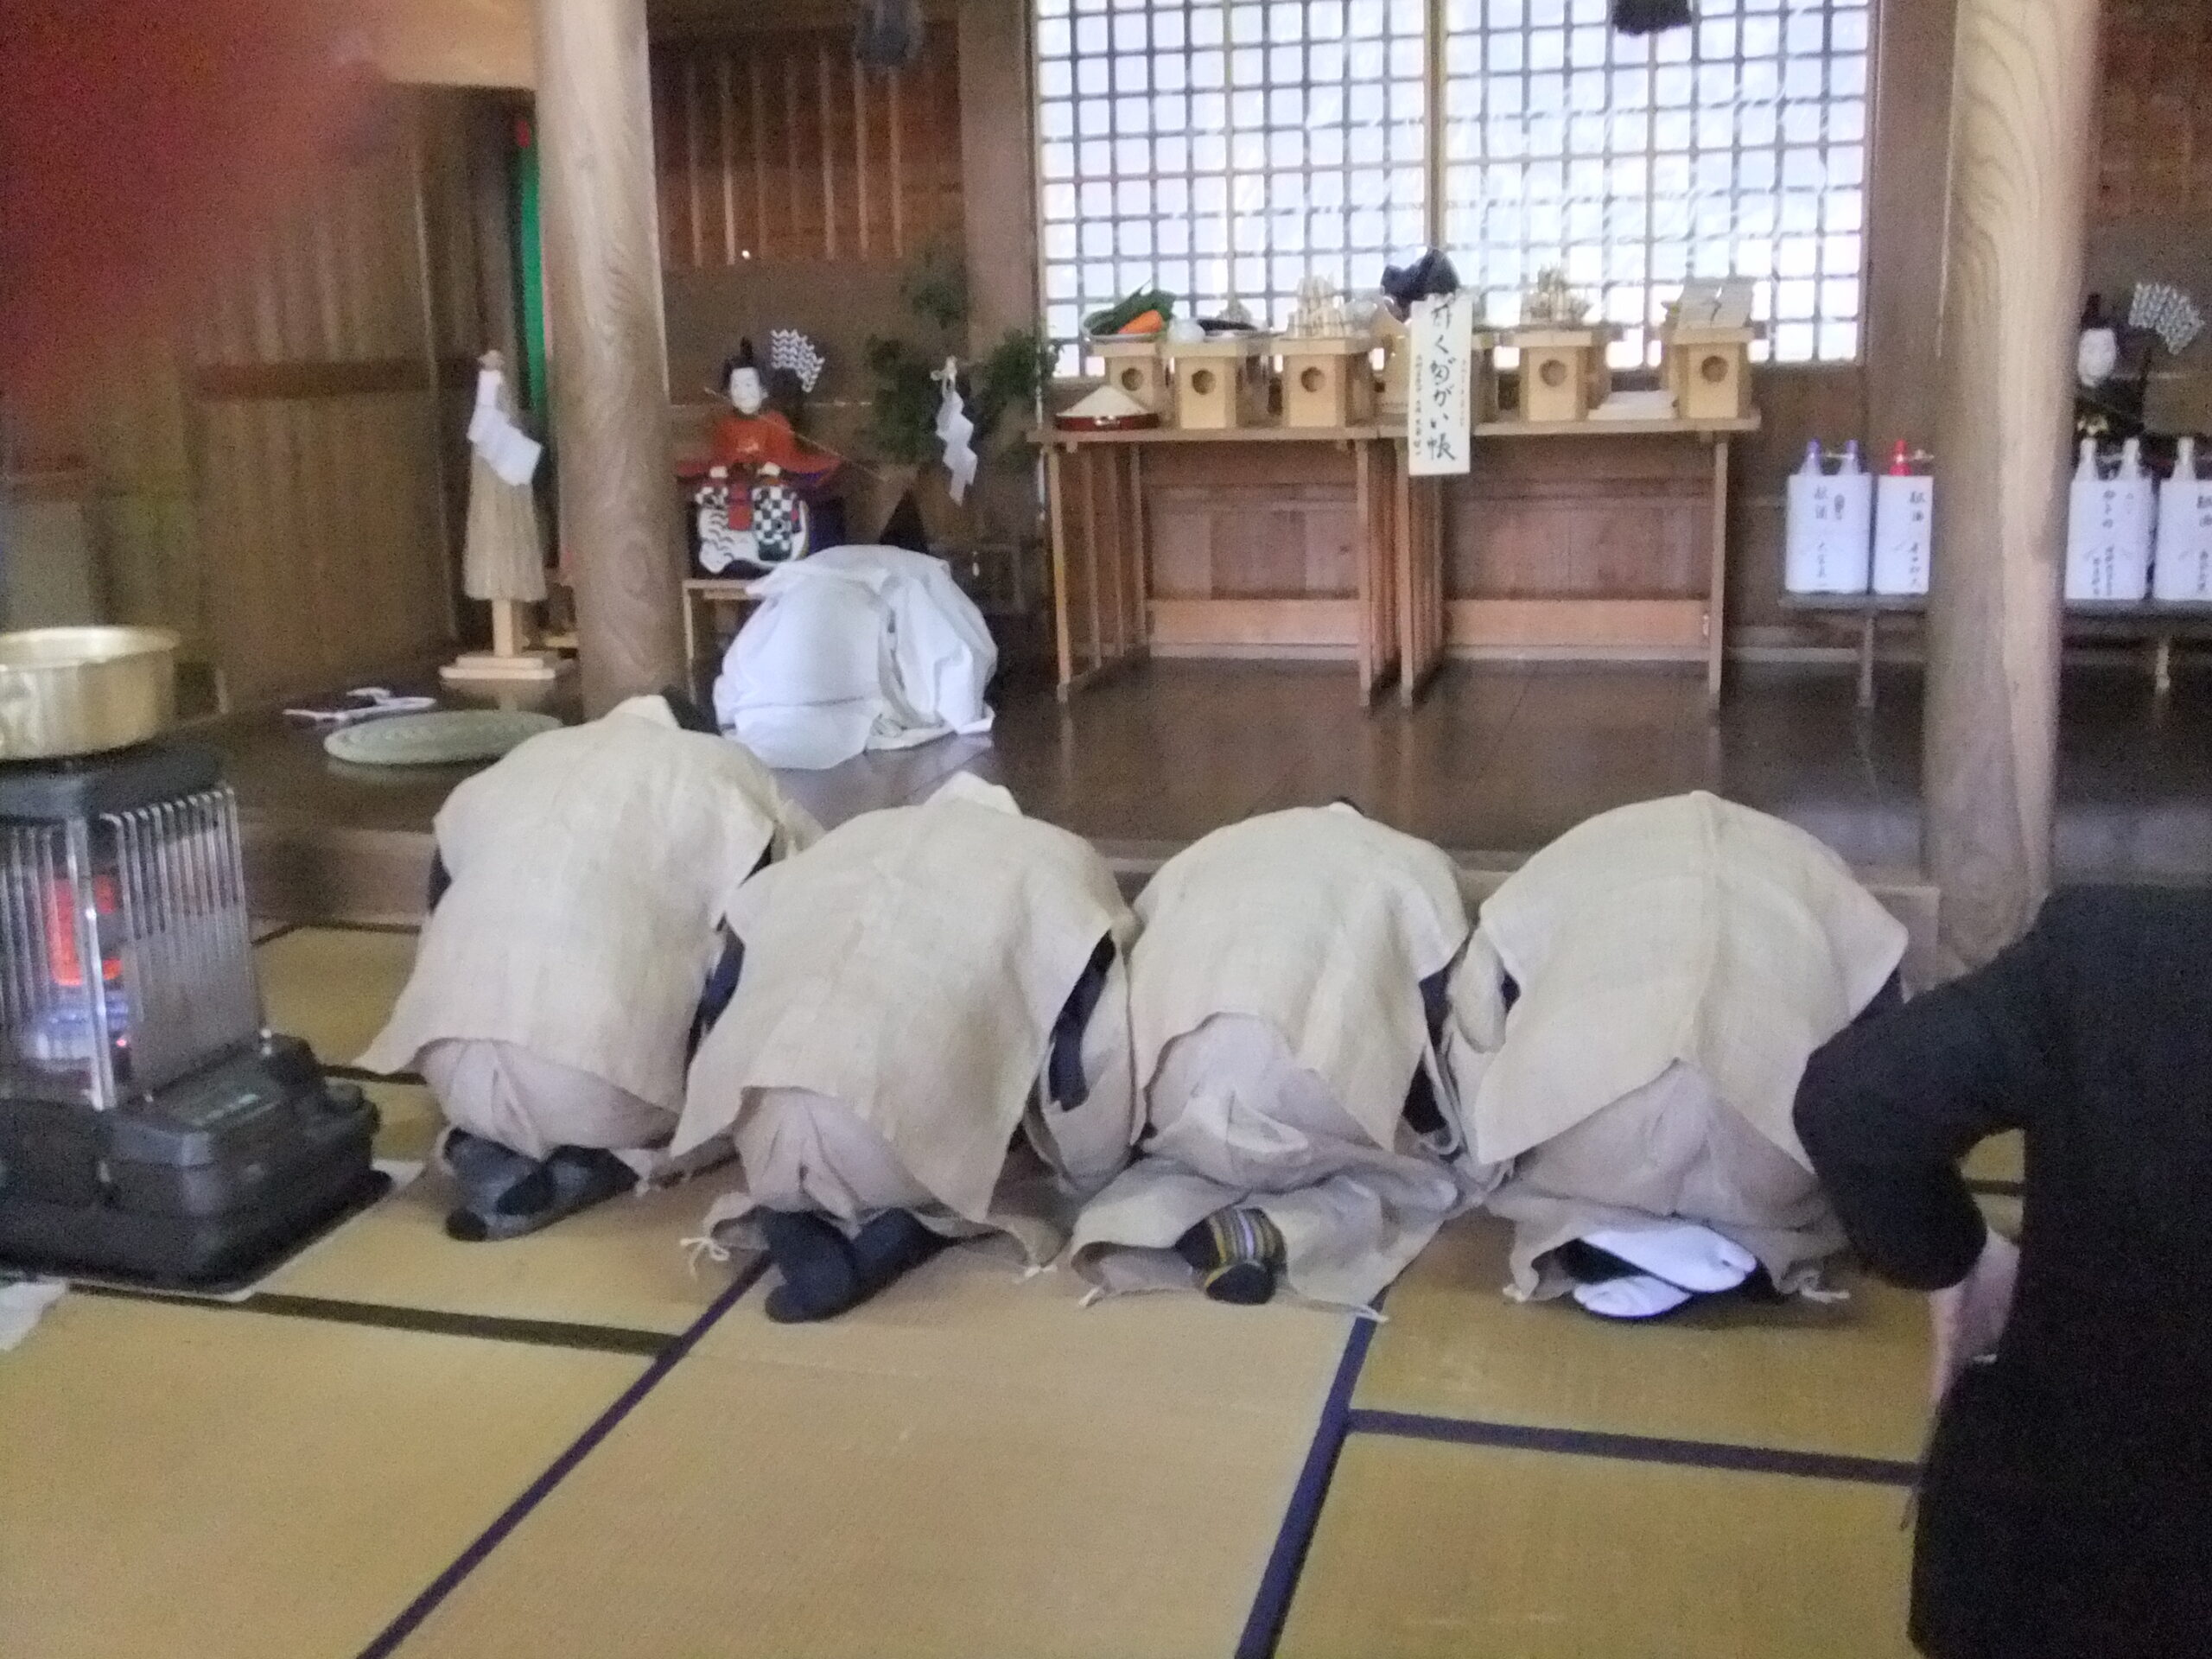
x: 2021, y: 132
x: 998, y: 154
x: 619, y: 525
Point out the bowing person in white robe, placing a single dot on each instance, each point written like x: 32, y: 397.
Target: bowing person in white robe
x: 919, y: 989
x: 856, y: 648
x: 1285, y: 995
x: 561, y: 969
x: 1633, y: 1015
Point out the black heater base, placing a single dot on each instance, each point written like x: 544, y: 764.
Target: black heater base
x: 202, y: 1189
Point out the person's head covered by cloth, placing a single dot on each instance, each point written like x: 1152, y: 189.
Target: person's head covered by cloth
x: 564, y: 968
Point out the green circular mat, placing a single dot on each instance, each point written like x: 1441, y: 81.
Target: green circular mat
x: 449, y: 737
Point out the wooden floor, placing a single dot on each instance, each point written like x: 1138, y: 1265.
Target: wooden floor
x: 1495, y: 761
x: 587, y: 1444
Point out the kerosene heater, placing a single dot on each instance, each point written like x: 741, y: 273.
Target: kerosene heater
x: 151, y: 1130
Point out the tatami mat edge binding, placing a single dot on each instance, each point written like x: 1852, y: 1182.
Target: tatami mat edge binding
x: 1634, y: 1448
x: 411, y: 1619
x: 537, y: 1333
x: 1279, y: 1580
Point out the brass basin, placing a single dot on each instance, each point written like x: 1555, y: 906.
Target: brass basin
x: 67, y: 691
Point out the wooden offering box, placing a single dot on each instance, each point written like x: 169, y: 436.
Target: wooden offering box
x: 1327, y: 382
x: 1708, y: 368
x: 1563, y: 370
x: 1221, y: 383
x: 1134, y: 367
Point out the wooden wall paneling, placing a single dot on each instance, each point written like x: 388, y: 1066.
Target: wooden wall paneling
x: 826, y: 141
x: 694, y: 167
x: 894, y: 123
x: 315, y: 456
x: 450, y: 320
x: 1904, y: 214
x: 1640, y: 626
x: 726, y: 147
x: 453, y: 42
x: 860, y: 78
x: 802, y: 153
x: 756, y: 111
x: 1199, y: 625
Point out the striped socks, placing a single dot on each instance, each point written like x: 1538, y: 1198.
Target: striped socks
x: 1237, y: 1254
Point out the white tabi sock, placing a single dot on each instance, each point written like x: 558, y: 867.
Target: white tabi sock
x: 1681, y: 1253
x: 1639, y: 1296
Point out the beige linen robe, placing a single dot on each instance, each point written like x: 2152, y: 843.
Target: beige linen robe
x: 555, y: 982
x: 1277, y: 1011
x: 891, y: 1024
x: 1678, y: 961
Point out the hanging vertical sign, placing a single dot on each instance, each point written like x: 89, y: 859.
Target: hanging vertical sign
x: 1441, y: 404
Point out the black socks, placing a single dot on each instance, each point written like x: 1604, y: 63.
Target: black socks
x: 506, y: 1195
x: 1238, y: 1255
x: 824, y: 1274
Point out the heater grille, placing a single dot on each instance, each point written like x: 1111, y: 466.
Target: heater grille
x: 128, y: 955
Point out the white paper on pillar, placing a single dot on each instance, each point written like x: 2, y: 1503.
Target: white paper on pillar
x: 1440, y: 408
x: 2181, y: 572
x: 2108, y: 539
x: 1829, y: 539
x: 1904, y: 516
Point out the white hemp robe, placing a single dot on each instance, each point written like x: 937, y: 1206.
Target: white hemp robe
x: 556, y: 980
x: 891, y: 1029
x: 1676, y: 964
x: 1278, y: 1022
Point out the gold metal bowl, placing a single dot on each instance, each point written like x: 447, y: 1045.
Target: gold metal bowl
x: 67, y: 691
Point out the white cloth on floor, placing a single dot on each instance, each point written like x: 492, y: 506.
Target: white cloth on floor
x: 856, y: 648
x: 22, y: 1302
x: 588, y: 868
x: 908, y: 972
x: 1278, y: 1023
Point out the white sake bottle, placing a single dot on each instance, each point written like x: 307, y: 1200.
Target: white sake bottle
x: 2135, y: 510
x: 2181, y: 569
x: 1904, y: 527
x: 2091, y: 527
x: 1829, y: 531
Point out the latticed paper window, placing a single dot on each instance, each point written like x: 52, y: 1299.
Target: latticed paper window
x: 1226, y: 148
x: 1733, y: 148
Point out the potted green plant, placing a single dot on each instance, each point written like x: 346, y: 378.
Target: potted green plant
x: 901, y: 435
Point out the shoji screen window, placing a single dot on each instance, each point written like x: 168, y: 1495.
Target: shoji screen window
x: 1226, y: 148
x: 1733, y: 148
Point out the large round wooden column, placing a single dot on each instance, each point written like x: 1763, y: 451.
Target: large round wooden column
x: 2020, y: 139
x: 619, y: 524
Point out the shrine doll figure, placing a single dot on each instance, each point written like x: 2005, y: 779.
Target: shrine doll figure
x: 753, y: 445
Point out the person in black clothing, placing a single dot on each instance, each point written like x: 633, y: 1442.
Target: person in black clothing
x: 2066, y: 1505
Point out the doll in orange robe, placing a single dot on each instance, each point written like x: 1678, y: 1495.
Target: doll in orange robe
x: 750, y: 435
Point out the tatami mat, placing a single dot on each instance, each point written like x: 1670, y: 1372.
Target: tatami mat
x: 2000, y: 1158
x: 182, y: 1481
x: 333, y: 986
x: 408, y: 1120
x: 1456, y: 1551
x: 622, y: 1263
x: 970, y: 1466
x: 1847, y: 1378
